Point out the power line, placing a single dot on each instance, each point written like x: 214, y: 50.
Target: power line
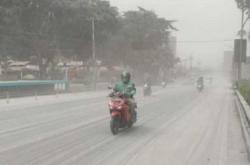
x: 22, y: 35
x: 205, y: 41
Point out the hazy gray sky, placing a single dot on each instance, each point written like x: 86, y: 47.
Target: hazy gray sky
x: 199, y: 20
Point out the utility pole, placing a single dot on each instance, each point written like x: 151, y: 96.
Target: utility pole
x: 243, y: 23
x: 94, y: 53
x: 93, y: 46
x: 93, y: 38
x: 241, y: 44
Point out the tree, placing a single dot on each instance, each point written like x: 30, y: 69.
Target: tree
x: 141, y: 43
x: 42, y: 28
x: 48, y: 28
x: 243, y: 4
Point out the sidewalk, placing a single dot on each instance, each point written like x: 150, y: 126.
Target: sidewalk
x: 12, y: 103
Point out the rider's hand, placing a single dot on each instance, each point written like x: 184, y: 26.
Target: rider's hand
x: 111, y: 94
x: 126, y: 95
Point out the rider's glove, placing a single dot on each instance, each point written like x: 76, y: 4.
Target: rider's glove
x: 111, y: 94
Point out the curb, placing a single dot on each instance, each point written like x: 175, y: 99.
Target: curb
x: 242, y: 108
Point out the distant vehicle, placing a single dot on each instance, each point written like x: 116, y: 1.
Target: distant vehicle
x: 163, y: 84
x: 200, y: 87
x: 29, y: 77
x: 147, y: 89
x: 121, y: 115
x: 200, y: 84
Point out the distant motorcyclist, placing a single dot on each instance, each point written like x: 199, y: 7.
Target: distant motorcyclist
x: 200, y: 83
x: 164, y: 82
x: 147, y: 88
x: 127, y: 87
x: 148, y: 79
x: 200, y: 80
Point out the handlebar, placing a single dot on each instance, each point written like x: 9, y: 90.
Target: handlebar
x: 118, y: 94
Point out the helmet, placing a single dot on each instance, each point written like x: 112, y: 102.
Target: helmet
x: 125, y: 77
x: 200, y: 79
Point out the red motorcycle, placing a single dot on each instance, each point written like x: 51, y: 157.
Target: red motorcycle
x: 121, y: 115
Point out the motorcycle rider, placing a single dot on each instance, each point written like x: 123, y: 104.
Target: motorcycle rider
x: 200, y: 81
x: 127, y: 87
x: 147, y: 85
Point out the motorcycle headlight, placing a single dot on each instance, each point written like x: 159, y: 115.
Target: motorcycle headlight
x: 111, y: 105
x: 119, y: 107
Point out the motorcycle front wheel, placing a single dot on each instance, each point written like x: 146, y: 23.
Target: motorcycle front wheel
x: 114, y: 126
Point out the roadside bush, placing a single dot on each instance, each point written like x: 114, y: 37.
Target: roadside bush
x: 244, y: 88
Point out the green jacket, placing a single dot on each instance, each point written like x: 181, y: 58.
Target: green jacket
x: 128, y: 89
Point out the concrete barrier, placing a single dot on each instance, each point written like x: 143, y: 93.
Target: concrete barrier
x: 244, y: 113
x: 10, y: 89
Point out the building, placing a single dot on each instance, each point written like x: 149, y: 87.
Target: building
x: 246, y: 69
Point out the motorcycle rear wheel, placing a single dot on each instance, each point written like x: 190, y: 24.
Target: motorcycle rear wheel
x: 130, y: 124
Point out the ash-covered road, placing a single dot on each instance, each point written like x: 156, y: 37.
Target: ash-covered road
x: 176, y: 126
